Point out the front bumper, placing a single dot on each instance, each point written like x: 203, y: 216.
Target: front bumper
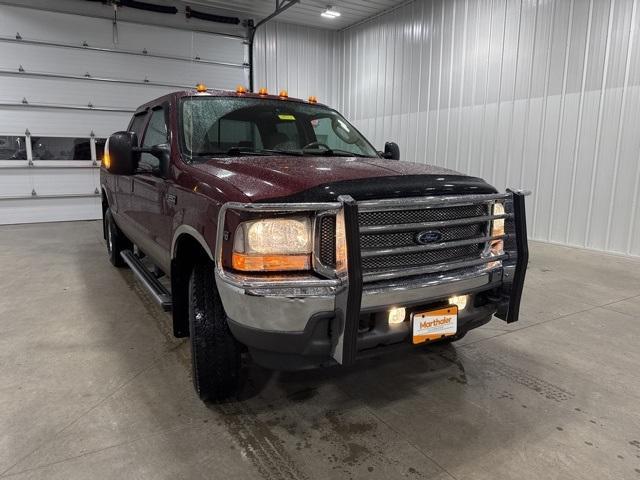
x: 303, y: 321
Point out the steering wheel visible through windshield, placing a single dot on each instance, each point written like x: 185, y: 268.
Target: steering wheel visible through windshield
x: 229, y: 126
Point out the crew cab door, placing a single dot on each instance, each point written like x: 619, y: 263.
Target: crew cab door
x: 149, y: 210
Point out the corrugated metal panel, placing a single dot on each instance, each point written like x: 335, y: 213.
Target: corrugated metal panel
x: 534, y: 94
x: 304, y: 61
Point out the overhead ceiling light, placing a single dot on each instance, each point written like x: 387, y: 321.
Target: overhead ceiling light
x: 330, y: 12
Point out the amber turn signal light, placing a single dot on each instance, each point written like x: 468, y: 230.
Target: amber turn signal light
x: 270, y: 263
x: 313, y: 99
x: 106, y: 160
x: 201, y: 87
x: 263, y: 91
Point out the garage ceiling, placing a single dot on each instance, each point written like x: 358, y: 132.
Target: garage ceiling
x: 307, y: 12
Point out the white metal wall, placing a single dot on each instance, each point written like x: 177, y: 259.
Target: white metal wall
x: 302, y: 60
x: 535, y: 94
x: 113, y: 83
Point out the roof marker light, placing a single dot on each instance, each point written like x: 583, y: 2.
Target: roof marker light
x: 263, y: 91
x: 201, y: 88
x: 313, y: 99
x: 241, y: 89
x: 284, y: 94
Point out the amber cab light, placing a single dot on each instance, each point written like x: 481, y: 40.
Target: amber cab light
x: 241, y: 89
x: 270, y: 263
x: 313, y: 99
x: 201, y: 88
x: 263, y: 91
x: 284, y: 94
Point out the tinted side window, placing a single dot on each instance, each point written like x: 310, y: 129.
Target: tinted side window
x: 137, y: 122
x: 155, y: 134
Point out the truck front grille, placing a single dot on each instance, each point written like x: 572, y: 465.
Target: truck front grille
x: 388, y: 217
x: 327, y: 242
x: 391, y: 243
x: 389, y: 239
x: 382, y: 263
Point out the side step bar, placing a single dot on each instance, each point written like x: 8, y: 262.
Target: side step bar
x: 158, y: 291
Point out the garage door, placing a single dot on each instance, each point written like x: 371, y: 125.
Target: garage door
x: 65, y: 86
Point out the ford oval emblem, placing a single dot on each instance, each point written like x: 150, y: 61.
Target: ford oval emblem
x: 428, y: 236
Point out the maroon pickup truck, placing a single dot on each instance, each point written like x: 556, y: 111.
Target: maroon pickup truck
x: 271, y: 227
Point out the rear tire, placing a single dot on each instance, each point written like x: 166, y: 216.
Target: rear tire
x: 116, y: 241
x: 215, y: 353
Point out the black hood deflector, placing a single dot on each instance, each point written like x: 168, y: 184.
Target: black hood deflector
x: 396, y: 186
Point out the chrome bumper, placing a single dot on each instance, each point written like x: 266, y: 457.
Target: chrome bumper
x: 287, y: 309
x: 286, y: 305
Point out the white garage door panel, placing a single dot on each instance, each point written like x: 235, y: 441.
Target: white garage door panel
x: 69, y: 123
x: 116, y: 66
x: 49, y: 210
x: 79, y: 92
x: 53, y: 27
x: 47, y: 181
x: 63, y: 28
x: 218, y: 48
x: 180, y: 43
x: 56, y: 187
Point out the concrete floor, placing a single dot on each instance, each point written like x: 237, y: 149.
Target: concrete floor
x: 92, y: 385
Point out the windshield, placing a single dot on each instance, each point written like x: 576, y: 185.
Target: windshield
x: 228, y: 126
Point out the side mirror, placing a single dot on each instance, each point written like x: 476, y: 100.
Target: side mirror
x: 162, y: 152
x: 120, y: 156
x: 391, y: 151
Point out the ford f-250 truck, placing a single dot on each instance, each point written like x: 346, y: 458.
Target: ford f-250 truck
x: 281, y: 232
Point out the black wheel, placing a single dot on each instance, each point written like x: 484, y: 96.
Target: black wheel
x: 116, y: 241
x: 215, y: 353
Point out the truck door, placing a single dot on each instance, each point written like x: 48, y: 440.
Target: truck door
x: 148, y: 209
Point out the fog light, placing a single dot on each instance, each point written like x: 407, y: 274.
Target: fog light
x: 397, y: 315
x: 460, y: 301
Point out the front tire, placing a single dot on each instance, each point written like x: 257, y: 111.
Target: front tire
x: 116, y: 241
x: 215, y: 353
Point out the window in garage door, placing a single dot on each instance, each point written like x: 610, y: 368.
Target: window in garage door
x: 61, y: 148
x: 155, y: 134
x: 12, y: 148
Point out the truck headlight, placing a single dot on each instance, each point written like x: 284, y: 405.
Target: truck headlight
x: 273, y: 244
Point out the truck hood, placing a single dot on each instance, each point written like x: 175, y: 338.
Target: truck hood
x: 288, y: 178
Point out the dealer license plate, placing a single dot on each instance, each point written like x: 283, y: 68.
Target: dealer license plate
x: 435, y: 324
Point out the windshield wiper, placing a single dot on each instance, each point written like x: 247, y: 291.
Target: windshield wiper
x: 336, y: 152
x: 282, y: 152
x: 232, y: 152
x: 239, y: 151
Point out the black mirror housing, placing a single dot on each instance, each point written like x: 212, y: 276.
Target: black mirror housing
x: 391, y: 151
x: 120, y: 156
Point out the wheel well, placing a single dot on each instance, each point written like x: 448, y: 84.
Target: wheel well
x: 188, y: 252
